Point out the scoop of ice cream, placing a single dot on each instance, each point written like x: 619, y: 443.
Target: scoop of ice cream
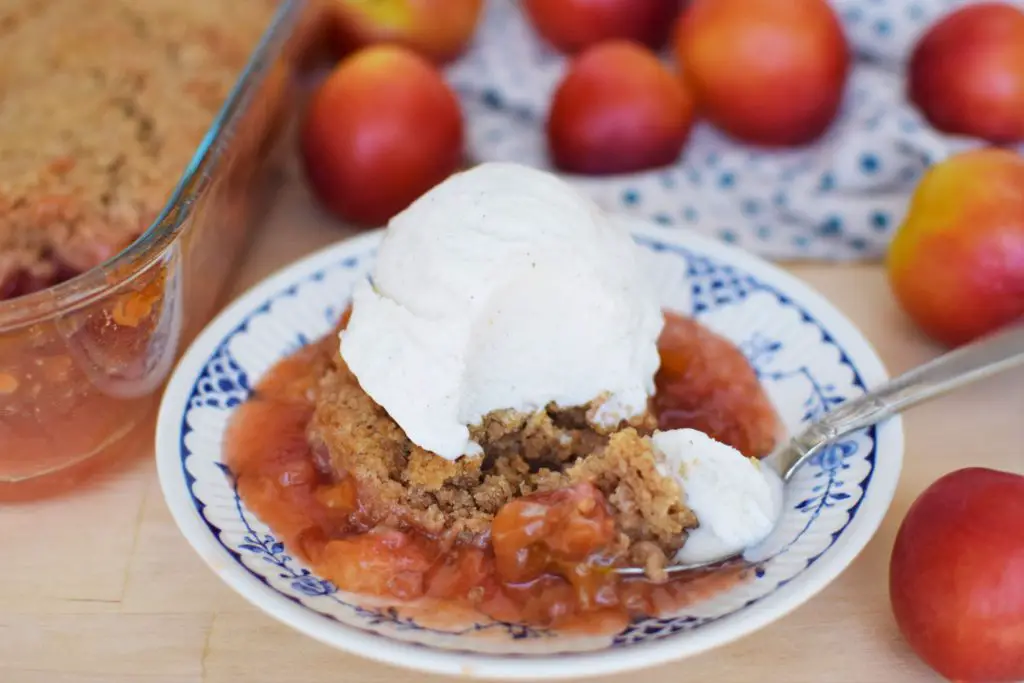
x: 737, y: 500
x: 502, y: 288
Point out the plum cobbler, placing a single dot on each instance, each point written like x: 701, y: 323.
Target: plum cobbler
x: 527, y: 531
x: 516, y: 489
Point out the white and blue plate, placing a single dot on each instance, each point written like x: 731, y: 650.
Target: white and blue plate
x: 809, y: 357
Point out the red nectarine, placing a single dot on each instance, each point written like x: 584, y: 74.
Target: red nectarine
x: 956, y: 578
x: 966, y: 74
x: 382, y: 129
x: 617, y: 110
x: 573, y: 25
x: 439, y: 30
x: 956, y: 264
x: 768, y: 72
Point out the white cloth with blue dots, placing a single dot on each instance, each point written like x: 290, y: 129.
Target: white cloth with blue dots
x: 839, y: 199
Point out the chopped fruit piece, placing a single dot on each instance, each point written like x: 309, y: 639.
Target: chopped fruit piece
x: 8, y: 383
x: 268, y: 439
x: 381, y: 563
x: 461, y: 574
x: 342, y: 497
x: 706, y: 383
x: 538, y: 533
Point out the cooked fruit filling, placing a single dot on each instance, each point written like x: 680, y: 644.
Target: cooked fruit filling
x: 506, y: 415
x: 526, y: 532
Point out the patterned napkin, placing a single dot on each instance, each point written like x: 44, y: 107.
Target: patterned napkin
x: 839, y: 199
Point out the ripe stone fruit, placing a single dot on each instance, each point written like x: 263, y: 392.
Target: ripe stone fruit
x: 767, y: 72
x: 382, y: 129
x: 966, y: 74
x: 440, y: 30
x: 573, y: 25
x: 956, y: 264
x: 956, y: 576
x: 617, y: 110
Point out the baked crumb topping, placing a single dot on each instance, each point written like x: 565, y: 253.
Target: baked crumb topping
x: 401, y: 484
x: 104, y: 104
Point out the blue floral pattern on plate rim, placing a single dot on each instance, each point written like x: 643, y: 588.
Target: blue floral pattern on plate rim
x: 702, y: 277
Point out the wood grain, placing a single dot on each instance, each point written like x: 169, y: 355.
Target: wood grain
x: 99, y: 587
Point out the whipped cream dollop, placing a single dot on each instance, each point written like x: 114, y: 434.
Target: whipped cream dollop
x: 737, y: 500
x: 502, y: 288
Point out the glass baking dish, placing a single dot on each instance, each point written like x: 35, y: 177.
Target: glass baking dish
x: 83, y: 363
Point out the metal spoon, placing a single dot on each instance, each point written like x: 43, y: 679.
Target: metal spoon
x: 983, y: 358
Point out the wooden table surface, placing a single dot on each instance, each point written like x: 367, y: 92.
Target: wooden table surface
x: 99, y: 587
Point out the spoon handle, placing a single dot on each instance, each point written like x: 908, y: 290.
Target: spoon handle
x: 977, y: 360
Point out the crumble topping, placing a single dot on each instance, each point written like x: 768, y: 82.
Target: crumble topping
x: 104, y: 104
x: 403, y: 485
